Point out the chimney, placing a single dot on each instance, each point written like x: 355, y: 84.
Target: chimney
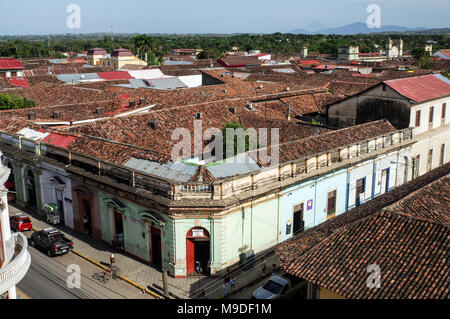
x: 132, y: 104
x: 99, y: 111
x: 31, y: 115
x: 233, y: 109
x: 154, y: 124
x: 141, y: 101
x: 198, y: 115
x: 250, y: 106
x: 56, y: 114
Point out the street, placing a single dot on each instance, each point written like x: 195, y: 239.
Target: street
x: 46, y: 279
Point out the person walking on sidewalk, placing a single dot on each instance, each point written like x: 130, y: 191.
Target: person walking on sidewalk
x: 232, y: 283
x: 264, y: 267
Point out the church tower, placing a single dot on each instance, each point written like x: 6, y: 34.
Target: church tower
x: 400, y: 47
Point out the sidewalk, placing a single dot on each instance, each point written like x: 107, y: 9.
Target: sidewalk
x: 147, y: 276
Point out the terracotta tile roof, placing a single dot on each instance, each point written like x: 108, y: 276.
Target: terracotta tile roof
x: 302, y: 104
x: 317, y: 144
x: 404, y: 231
x: 412, y: 255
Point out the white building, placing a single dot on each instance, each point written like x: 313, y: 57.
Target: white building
x: 14, y: 256
x: 420, y: 103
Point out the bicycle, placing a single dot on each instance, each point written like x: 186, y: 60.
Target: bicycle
x: 104, y: 276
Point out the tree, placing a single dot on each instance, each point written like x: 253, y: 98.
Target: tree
x: 8, y: 102
x: 422, y: 58
x: 236, y: 128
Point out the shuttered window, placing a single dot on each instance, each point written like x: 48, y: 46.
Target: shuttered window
x: 331, y: 207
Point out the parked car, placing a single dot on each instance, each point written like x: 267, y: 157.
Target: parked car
x: 279, y: 287
x: 20, y: 223
x: 52, y: 241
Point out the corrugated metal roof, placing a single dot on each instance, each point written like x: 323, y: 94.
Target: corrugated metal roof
x: 32, y: 134
x: 146, y: 74
x: 179, y: 172
x: 134, y: 84
x: 115, y: 75
x: 171, y: 62
x: 288, y: 70
x: 242, y: 164
x: 10, y: 64
x: 421, y: 88
x: 166, y: 83
x: 58, y: 140
x: 18, y: 81
x: 58, y: 61
x: 76, y: 78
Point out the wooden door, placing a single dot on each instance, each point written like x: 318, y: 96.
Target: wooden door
x: 190, y: 256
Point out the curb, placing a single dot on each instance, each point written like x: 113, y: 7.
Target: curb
x: 119, y: 276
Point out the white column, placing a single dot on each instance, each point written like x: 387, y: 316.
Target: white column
x: 4, y: 214
x: 12, y: 293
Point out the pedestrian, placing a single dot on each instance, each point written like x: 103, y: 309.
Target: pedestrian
x: 226, y: 288
x: 112, y: 259
x: 232, y: 283
x: 264, y: 267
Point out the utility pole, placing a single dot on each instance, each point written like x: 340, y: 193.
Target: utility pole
x: 165, y: 285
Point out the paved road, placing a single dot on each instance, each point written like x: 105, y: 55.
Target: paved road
x: 46, y: 279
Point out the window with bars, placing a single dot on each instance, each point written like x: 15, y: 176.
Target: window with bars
x: 430, y: 160
x: 331, y: 205
x: 430, y: 119
x: 444, y: 109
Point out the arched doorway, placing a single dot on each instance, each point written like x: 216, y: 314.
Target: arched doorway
x: 197, y: 251
x: 30, y: 185
x: 154, y: 225
x: 11, y: 184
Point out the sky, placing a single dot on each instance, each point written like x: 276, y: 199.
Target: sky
x: 19, y: 17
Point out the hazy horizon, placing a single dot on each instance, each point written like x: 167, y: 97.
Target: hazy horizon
x: 207, y: 17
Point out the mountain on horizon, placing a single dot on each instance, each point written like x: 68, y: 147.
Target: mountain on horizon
x: 359, y: 28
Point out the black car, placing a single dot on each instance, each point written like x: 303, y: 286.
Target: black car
x: 52, y: 241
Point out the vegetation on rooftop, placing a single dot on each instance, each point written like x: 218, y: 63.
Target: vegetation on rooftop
x: 11, y: 102
x: 236, y: 127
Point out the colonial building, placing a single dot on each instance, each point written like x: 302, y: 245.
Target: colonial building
x: 117, y: 59
x: 417, y: 102
x: 14, y: 257
x: 175, y: 215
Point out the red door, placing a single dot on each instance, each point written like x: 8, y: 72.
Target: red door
x: 190, y: 256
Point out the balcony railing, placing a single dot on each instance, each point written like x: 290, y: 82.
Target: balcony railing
x: 13, y: 271
x: 158, y: 185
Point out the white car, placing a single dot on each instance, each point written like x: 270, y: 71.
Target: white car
x: 275, y: 288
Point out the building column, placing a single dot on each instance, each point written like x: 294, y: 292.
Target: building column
x: 12, y: 293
